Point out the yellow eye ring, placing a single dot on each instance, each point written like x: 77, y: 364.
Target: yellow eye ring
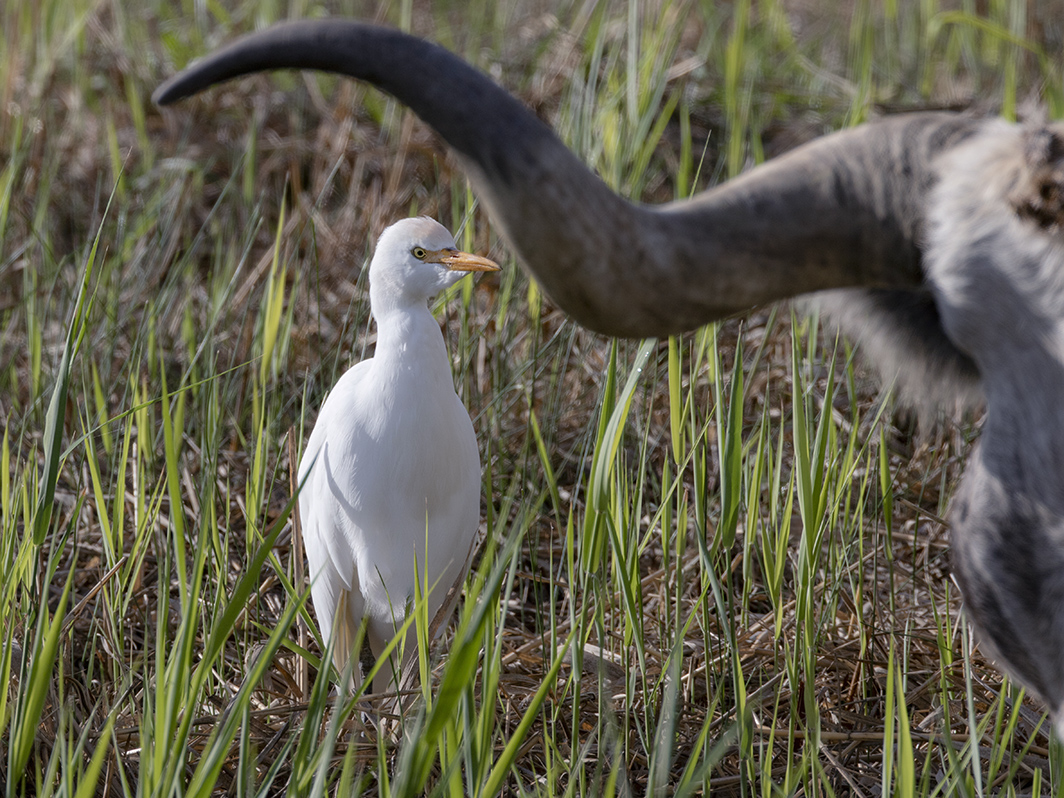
x: 418, y: 253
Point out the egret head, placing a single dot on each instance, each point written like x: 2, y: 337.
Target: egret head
x: 415, y: 260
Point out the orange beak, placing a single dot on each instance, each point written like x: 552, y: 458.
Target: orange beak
x: 458, y: 261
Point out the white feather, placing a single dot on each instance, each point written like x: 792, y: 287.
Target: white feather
x: 394, y: 469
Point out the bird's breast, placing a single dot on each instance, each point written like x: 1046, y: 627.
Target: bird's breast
x: 404, y: 438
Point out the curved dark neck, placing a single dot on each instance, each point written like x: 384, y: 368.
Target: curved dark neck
x: 477, y: 118
x: 842, y: 211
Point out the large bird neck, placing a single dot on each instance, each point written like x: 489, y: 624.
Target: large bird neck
x: 410, y: 344
x: 1022, y: 441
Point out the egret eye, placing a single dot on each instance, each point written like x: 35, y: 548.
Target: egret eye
x: 418, y: 253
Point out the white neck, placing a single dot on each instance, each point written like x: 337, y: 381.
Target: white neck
x: 410, y: 344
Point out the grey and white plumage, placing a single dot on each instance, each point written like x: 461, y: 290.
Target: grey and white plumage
x: 996, y: 263
x: 936, y: 235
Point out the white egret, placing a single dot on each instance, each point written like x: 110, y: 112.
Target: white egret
x: 391, y: 473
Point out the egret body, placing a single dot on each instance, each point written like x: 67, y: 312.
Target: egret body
x: 391, y: 474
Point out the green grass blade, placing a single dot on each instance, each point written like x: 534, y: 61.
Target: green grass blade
x: 55, y: 418
x: 91, y: 777
x: 31, y: 703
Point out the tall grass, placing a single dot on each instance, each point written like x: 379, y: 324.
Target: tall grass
x: 712, y: 564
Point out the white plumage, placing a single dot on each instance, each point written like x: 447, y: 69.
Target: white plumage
x: 394, y: 468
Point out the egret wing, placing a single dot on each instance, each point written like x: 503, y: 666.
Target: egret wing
x: 335, y: 588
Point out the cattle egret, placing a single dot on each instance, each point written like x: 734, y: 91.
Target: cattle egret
x: 391, y: 474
